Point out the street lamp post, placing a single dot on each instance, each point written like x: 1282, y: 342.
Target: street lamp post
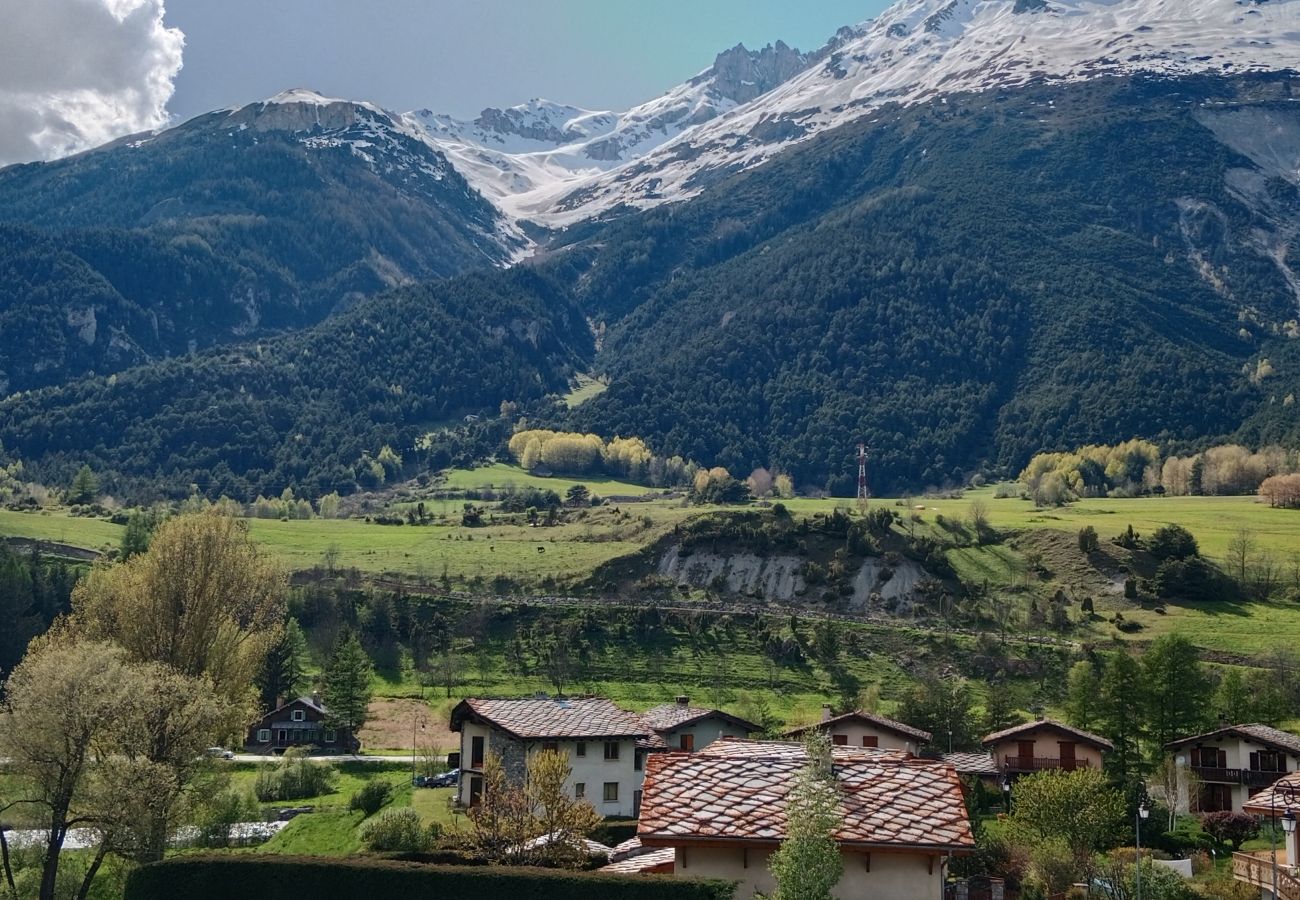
x: 417, y: 720
x: 1006, y: 793
x: 1290, y: 797
x: 1143, y: 811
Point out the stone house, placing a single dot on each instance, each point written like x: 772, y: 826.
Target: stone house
x: 1224, y: 768
x: 722, y: 813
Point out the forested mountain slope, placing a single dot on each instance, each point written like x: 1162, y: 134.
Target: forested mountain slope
x: 964, y: 282
x: 237, y: 223
x: 313, y: 409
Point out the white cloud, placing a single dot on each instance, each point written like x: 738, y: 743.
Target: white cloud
x: 77, y: 73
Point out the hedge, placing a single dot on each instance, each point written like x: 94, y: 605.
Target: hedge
x: 240, y: 877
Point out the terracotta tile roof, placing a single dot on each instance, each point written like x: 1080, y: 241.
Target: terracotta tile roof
x: 736, y: 790
x: 1015, y: 730
x: 535, y: 719
x: 657, y: 862
x: 972, y: 763
x: 869, y: 719
x: 671, y: 716
x: 1261, y: 734
x: 1284, y: 792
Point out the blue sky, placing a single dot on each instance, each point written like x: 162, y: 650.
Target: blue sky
x: 458, y: 56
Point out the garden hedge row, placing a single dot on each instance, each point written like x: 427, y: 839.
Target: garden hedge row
x: 239, y: 877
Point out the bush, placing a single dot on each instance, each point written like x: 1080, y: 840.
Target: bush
x: 219, y: 877
x: 398, y: 831
x: 1191, y: 579
x: 1230, y: 827
x: 1088, y: 541
x: 1173, y: 542
x: 294, y: 778
x: 372, y: 796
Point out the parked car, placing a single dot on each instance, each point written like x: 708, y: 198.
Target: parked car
x: 220, y: 753
x: 446, y: 779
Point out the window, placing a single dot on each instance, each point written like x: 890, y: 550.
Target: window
x: 638, y: 761
x: 263, y: 735
x: 580, y: 790
x: 475, y: 790
x: 330, y: 735
x: 611, y: 791
x: 581, y: 749
x: 611, y: 749
x: 688, y: 742
x: 552, y: 746
x: 870, y: 740
x: 840, y: 740
x: 299, y: 715
x: 476, y: 752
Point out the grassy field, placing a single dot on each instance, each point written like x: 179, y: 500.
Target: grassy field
x: 501, y: 475
x: 585, y: 387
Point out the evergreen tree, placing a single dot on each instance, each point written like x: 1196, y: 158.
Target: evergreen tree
x: 999, y: 709
x: 942, y: 706
x: 85, y: 486
x: 577, y: 495
x: 1120, y: 703
x: 284, y: 674
x: 138, y: 533
x: 1082, y: 695
x: 347, y: 685
x: 1177, y: 690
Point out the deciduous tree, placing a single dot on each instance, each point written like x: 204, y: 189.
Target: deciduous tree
x: 807, y: 865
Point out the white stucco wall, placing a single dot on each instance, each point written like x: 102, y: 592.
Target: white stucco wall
x: 1236, y: 756
x: 854, y: 732
x: 1047, y: 745
x: 591, y: 770
x: 892, y: 876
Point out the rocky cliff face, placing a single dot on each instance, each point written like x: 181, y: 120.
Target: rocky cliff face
x: 742, y: 75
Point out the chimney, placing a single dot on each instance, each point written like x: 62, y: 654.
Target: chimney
x: 315, y: 697
x: 683, y: 700
x: 826, y: 712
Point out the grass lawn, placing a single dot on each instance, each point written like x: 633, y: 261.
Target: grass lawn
x: 434, y: 807
x: 349, y: 777
x: 502, y: 475
x: 318, y: 834
x: 585, y: 387
x: 58, y: 526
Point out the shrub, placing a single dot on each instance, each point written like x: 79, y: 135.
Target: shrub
x: 1088, y: 541
x: 372, y: 796
x: 398, y: 831
x: 1230, y: 827
x: 218, y: 877
x: 1173, y: 542
x: 294, y: 778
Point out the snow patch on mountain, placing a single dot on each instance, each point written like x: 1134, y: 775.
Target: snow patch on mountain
x: 919, y: 50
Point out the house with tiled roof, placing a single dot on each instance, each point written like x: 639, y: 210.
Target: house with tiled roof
x: 681, y: 726
x: 863, y: 729
x: 722, y: 811
x: 605, y: 744
x: 1222, y: 769
x: 1045, y: 744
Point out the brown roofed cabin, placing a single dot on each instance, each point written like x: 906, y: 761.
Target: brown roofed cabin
x: 1045, y: 744
x: 864, y: 729
x: 681, y: 726
x: 299, y: 723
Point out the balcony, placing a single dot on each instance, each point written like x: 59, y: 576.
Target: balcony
x: 1041, y: 763
x: 1250, y: 777
x: 1259, y: 870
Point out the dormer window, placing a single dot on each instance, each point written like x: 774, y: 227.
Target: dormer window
x: 299, y: 715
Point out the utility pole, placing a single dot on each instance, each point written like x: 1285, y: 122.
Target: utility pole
x: 863, y: 452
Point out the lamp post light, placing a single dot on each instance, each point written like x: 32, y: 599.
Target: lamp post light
x: 1143, y: 813
x: 1289, y: 796
x: 417, y: 721
x: 1006, y: 793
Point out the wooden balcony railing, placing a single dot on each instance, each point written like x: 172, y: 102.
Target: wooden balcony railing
x: 1249, y: 777
x: 1041, y: 763
x: 1258, y: 870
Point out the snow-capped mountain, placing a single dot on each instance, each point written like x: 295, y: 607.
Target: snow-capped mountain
x: 523, y: 157
x: 918, y: 50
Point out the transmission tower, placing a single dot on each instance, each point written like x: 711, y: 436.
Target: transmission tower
x: 863, y: 452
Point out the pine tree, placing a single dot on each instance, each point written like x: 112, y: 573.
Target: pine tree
x: 1178, y: 690
x: 284, y: 674
x: 85, y: 486
x: 999, y: 709
x: 1120, y: 705
x: 1082, y: 695
x: 347, y: 685
x: 138, y: 533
